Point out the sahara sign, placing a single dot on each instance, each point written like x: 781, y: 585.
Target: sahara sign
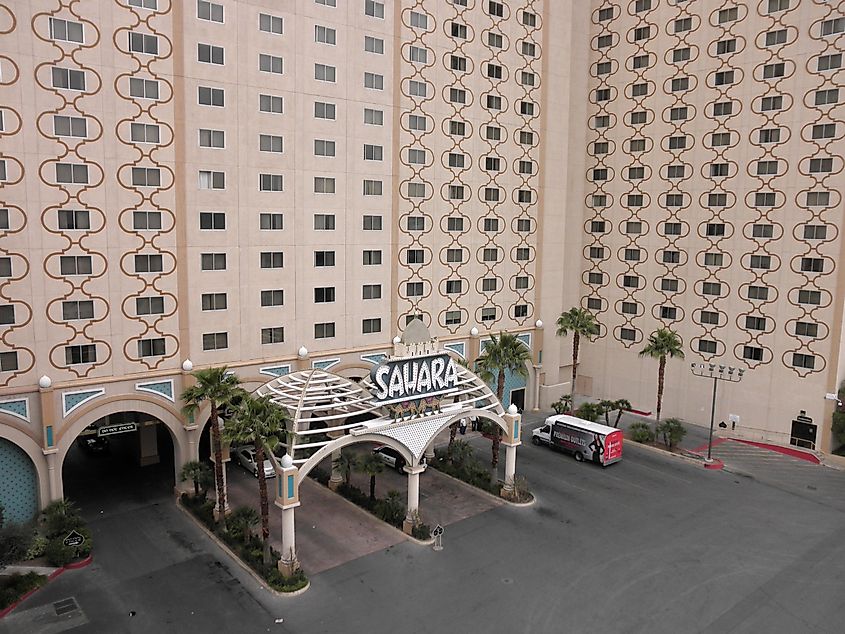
x: 414, y: 379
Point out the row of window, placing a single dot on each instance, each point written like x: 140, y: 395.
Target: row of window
x: 761, y: 199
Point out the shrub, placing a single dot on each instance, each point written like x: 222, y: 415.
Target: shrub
x: 281, y: 583
x: 391, y: 509
x: 36, y: 548
x: 520, y: 489
x: 320, y: 475
x: 590, y: 411
x: 640, y: 432
x: 57, y: 553
x: 355, y: 495
x: 61, y: 517
x: 202, y: 509
x: 15, y: 540
x: 15, y: 586
x: 672, y: 430
x: 241, y: 522
x: 421, y: 531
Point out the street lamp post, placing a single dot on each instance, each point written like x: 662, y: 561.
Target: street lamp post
x: 717, y: 372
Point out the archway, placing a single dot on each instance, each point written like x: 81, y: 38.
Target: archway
x: 19, y: 484
x: 29, y: 446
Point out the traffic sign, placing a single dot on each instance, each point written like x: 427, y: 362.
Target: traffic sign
x: 437, y: 531
x: 74, y: 539
x: 111, y: 430
x: 437, y: 534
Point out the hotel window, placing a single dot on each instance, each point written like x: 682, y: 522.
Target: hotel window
x: 523, y: 253
x: 681, y: 55
x: 678, y: 114
x: 489, y: 285
x: 761, y: 262
x: 7, y: 315
x: 728, y: 15
x: 372, y: 187
x: 677, y: 142
x: 488, y: 314
x: 149, y: 263
x: 494, y: 71
x: 770, y: 135
x: 595, y: 278
x: 642, y: 33
x: 65, y: 126
x: 66, y: 30
x: 762, y: 231
x: 753, y: 322
x: 418, y: 20
x: 275, y: 297
x: 373, y: 152
x: 208, y: 54
x: 597, y: 226
x: 146, y: 176
x: 707, y: 346
x: 210, y: 96
x: 417, y: 122
x: 69, y: 219
x: 778, y: 5
x: 210, y: 11
x: 602, y: 94
x: 71, y: 173
x: 818, y: 199
x: 417, y: 157
x: 767, y: 168
x: 369, y: 326
x: 639, y: 90
x: 458, y: 63
x: 809, y: 297
x: 324, y: 185
x: 491, y: 224
x: 812, y: 265
x: 639, y: 117
x: 324, y: 72
x: 372, y: 257
x: 374, y: 81
x: 207, y: 138
x: 324, y: 330
x: 68, y: 79
x: 418, y: 54
x: 675, y: 171
x: 827, y: 97
x: 5, y: 267
x: 776, y: 37
x: 759, y: 292
x: 723, y: 78
x: 325, y: 35
x: 324, y: 110
x: 327, y: 3
x: 457, y: 95
x: 75, y: 355
x: 146, y: 220
x: 214, y: 301
x: 636, y: 172
x: 764, y: 199
x: 458, y: 30
x: 270, y: 64
x: 709, y: 317
x: 324, y: 258
x: 640, y: 61
x: 830, y: 62
x: 674, y: 200
x: 636, y: 145
x: 271, y: 259
x: 719, y: 169
x: 714, y: 229
x: 771, y: 71
x: 274, y: 334
x: 215, y: 340
x: 211, y: 180
x: 372, y: 223
x: 324, y: 222
x: 270, y: 143
x: 492, y: 194
x: 752, y: 353
x: 414, y: 289
x: 726, y: 46
x: 806, y: 329
x: 527, y: 79
x: 711, y: 288
x: 213, y: 261
x: 144, y: 88
x: 630, y: 281
x: 718, y: 139
x: 605, y: 14
x: 604, y: 41
x: 212, y: 221
x: 627, y: 334
x: 520, y: 310
x: 416, y: 190
x: 270, y: 24
x: 668, y: 312
x: 671, y: 257
x: 834, y: 26
x: 529, y: 49
x: 456, y: 192
x: 371, y: 291
x: 454, y: 224
x: 323, y: 147
x: 496, y: 9
x: 633, y: 227
x: 682, y: 24
x: 806, y: 361
x: 713, y: 259
x: 456, y: 255
x: 771, y: 103
x: 596, y: 253
x: 374, y: 9
x: 815, y: 232
x: 373, y: 45
x: 669, y: 285
x: 416, y: 223
x: 672, y: 228
x: 824, y: 131
x: 143, y: 43
x: 526, y: 138
x: 84, y: 309
x: 641, y: 5
x: 722, y: 108
x: 151, y: 347
x: 268, y: 221
x: 453, y: 317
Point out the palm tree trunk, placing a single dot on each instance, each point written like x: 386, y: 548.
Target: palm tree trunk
x: 576, y: 342
x: 196, y: 488
x: 453, y: 431
x: 372, y: 487
x: 218, y: 465
x: 500, y: 394
x: 618, y: 417
x: 265, y: 507
x: 661, y: 372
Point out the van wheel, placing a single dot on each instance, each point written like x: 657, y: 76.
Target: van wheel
x: 535, y: 440
x: 579, y: 457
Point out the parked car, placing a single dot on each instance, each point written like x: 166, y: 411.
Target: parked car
x: 92, y: 444
x: 246, y: 458
x: 392, y: 458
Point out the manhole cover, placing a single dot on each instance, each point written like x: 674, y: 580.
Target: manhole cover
x: 65, y: 606
x: 507, y: 581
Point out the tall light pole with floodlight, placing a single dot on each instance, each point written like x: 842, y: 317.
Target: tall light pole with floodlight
x: 717, y: 372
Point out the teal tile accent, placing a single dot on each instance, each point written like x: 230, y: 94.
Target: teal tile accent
x: 512, y: 382
x: 375, y: 359
x: 276, y: 370
x: 49, y: 435
x: 162, y: 388
x: 325, y: 364
x: 458, y: 348
x: 290, y: 487
x: 279, y: 487
x: 525, y: 338
x: 516, y: 432
x: 19, y: 408
x: 19, y: 484
x: 75, y: 399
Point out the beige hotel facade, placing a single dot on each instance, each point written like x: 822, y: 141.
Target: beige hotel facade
x: 281, y: 185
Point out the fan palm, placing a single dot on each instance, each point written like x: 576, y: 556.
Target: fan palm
x: 662, y: 344
x: 621, y: 405
x: 198, y: 473
x: 371, y: 465
x: 218, y: 388
x: 260, y: 422
x: 502, y: 354
x: 580, y: 322
x: 344, y: 464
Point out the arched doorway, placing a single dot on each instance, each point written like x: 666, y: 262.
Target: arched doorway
x: 121, y: 459
x: 19, y: 484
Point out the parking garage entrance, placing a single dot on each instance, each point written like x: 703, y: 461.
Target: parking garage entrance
x: 122, y: 459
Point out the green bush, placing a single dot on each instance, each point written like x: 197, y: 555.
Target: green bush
x: 57, y: 553
x: 202, y: 509
x: 590, y: 412
x: 320, y: 475
x: 15, y: 586
x: 61, y: 517
x: 356, y: 496
x: 391, y: 509
x: 279, y: 582
x: 640, y: 432
x: 36, y: 548
x: 672, y: 430
x: 15, y: 540
x: 421, y: 531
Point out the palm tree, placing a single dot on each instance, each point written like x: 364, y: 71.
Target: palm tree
x: 198, y: 473
x: 371, y: 465
x: 606, y: 407
x: 504, y: 353
x: 580, y: 322
x: 260, y: 422
x: 218, y: 388
x: 344, y: 464
x: 661, y: 344
x: 621, y: 405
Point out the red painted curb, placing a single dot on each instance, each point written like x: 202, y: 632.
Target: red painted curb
x: 638, y: 411
x: 76, y: 565
x: 716, y: 464
x: 787, y: 451
x: 716, y: 441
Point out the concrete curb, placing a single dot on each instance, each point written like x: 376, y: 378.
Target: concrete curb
x: 792, y: 451
x: 225, y: 548
x: 487, y: 493
x: 76, y: 565
x: 698, y: 462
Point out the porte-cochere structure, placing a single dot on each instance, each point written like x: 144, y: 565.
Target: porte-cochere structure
x: 329, y: 412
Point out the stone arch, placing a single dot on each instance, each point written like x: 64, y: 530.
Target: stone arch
x: 125, y: 403
x: 480, y: 413
x: 352, y: 439
x: 33, y: 450
x: 345, y: 369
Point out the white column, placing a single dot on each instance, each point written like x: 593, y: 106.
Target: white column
x: 337, y: 476
x: 54, y: 473
x: 413, y: 497
x: 537, y: 369
x: 288, y: 564
x: 429, y: 451
x: 510, y: 467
